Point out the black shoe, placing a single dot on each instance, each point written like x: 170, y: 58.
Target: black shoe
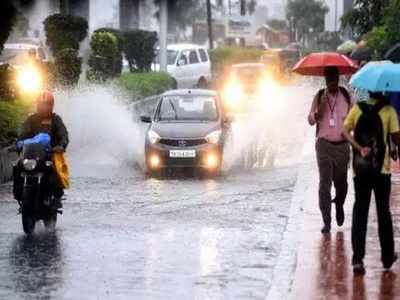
x: 388, y: 265
x: 358, y: 269
x: 326, y: 229
x: 339, y: 214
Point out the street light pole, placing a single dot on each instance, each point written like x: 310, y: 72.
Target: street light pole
x: 209, y: 25
x: 163, y: 34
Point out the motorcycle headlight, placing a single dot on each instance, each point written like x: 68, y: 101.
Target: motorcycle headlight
x: 29, y: 164
x: 153, y: 137
x: 214, y: 137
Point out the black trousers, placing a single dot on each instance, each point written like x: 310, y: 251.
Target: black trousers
x: 381, y: 185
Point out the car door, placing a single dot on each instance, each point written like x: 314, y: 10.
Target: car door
x: 194, y: 71
x: 205, y: 64
x: 182, y: 69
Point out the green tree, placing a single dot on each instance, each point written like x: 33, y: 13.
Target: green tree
x: 364, y: 16
x: 64, y: 31
x: 382, y: 37
x: 306, y: 15
x: 277, y: 24
x: 8, y: 15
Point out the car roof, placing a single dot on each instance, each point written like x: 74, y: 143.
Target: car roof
x: 193, y: 92
x: 249, y: 65
x: 178, y: 47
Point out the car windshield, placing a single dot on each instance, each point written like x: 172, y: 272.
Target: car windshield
x: 171, y: 57
x: 188, y: 108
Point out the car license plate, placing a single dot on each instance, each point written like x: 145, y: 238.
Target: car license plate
x: 182, y: 153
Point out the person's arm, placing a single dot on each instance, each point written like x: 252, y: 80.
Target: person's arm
x: 62, y: 133
x: 348, y: 127
x: 316, y: 108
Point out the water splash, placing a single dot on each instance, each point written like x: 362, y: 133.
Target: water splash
x: 103, y: 132
x: 273, y: 133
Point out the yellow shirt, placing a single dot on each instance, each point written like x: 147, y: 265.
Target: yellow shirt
x: 390, y: 125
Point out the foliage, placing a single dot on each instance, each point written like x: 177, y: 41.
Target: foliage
x: 139, y: 49
x: 182, y: 12
x: 377, y: 39
x: 120, y: 42
x: 104, y: 56
x: 146, y: 84
x: 226, y: 56
x: 382, y: 37
x: 7, y: 19
x: 6, y: 74
x: 306, y: 15
x: 277, y: 24
x: 64, y: 31
x: 392, y: 22
x: 364, y: 16
x: 12, y: 114
x: 68, y: 67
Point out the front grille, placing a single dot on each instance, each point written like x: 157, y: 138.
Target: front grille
x: 183, y: 142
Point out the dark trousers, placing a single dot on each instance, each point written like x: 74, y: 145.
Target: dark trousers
x: 381, y: 185
x: 333, y: 162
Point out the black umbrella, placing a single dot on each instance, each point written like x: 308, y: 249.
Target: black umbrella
x: 393, y: 54
x: 363, y: 53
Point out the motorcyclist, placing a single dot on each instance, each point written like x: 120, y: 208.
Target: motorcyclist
x: 44, y: 120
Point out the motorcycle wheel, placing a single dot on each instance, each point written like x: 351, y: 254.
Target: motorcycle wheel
x: 28, y: 221
x: 50, y: 222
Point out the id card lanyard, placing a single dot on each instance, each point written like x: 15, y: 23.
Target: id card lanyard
x: 332, y: 122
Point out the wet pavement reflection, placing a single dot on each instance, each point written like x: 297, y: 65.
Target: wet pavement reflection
x: 126, y: 237
x: 36, y: 265
x: 326, y: 260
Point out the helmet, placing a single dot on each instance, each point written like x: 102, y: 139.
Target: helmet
x: 46, y: 97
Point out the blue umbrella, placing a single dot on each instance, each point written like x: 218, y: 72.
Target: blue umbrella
x: 378, y: 77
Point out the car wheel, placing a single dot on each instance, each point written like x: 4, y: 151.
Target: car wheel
x: 202, y: 83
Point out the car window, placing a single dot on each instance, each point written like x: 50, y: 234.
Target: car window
x: 189, y: 108
x: 184, y: 57
x: 203, y: 55
x: 193, y: 58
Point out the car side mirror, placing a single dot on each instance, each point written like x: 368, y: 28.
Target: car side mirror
x: 145, y: 119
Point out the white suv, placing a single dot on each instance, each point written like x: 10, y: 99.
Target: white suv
x: 188, y: 64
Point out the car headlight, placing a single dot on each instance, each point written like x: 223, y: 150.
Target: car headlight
x: 29, y: 164
x: 233, y: 93
x: 214, y: 137
x: 153, y: 137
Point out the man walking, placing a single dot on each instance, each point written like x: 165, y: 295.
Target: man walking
x: 372, y: 124
x: 328, y: 110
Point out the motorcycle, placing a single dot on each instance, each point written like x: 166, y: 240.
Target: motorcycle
x: 33, y: 187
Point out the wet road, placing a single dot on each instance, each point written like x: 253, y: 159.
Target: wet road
x: 131, y: 238
x: 126, y: 237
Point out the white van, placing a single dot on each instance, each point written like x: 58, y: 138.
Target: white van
x: 188, y: 64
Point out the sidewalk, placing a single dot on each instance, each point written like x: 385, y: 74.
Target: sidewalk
x: 323, y: 268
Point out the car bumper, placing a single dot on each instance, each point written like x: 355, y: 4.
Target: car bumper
x: 207, y: 156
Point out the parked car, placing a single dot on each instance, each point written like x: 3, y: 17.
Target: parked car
x: 188, y: 64
x: 188, y: 130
